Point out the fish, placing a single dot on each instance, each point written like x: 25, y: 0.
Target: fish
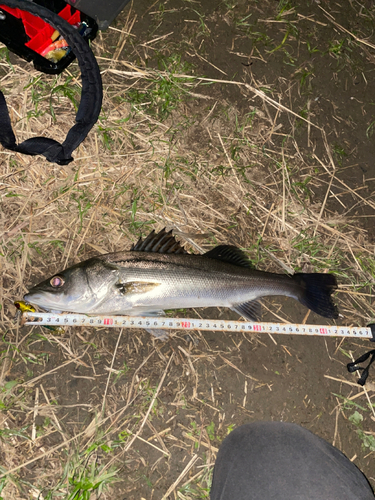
x: 157, y: 273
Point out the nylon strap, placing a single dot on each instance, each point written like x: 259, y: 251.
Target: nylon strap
x: 91, y: 98
x: 352, y: 367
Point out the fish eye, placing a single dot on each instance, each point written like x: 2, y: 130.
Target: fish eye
x: 57, y: 281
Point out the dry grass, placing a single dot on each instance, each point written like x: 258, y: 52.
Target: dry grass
x: 214, y: 174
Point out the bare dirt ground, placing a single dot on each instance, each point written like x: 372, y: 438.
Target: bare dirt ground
x: 248, y: 123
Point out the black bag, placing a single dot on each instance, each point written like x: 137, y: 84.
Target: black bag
x: 91, y: 99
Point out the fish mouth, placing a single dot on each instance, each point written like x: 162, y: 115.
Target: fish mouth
x: 40, y: 299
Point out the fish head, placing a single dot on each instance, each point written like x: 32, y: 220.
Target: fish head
x: 77, y: 289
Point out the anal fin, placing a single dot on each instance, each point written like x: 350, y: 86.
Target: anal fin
x: 251, y: 310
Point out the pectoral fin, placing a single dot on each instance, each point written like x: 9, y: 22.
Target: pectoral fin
x: 250, y: 310
x: 135, y: 287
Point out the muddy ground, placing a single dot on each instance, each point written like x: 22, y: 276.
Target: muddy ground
x: 210, y: 383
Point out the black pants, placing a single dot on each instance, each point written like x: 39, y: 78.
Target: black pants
x: 280, y: 461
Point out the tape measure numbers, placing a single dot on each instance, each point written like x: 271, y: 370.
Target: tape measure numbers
x: 68, y: 319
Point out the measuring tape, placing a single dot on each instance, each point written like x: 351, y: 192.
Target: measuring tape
x: 214, y: 325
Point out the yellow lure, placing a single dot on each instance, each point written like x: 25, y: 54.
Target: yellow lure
x: 24, y: 306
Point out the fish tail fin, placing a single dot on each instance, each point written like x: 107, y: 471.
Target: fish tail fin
x: 317, y: 289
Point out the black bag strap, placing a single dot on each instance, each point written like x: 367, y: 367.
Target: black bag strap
x: 91, y: 99
x: 352, y: 367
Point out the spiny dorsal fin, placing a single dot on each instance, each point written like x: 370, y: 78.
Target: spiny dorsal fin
x: 229, y: 254
x: 161, y: 242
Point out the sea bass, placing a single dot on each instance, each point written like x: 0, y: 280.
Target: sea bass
x: 158, y: 273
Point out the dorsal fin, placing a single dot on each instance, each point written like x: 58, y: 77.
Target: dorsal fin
x: 229, y: 254
x: 161, y: 242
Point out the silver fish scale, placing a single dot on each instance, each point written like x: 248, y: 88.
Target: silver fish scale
x: 187, y: 281
x: 144, y: 283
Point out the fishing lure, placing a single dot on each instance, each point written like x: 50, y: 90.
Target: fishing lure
x: 60, y: 47
x: 56, y: 51
x: 23, y: 306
